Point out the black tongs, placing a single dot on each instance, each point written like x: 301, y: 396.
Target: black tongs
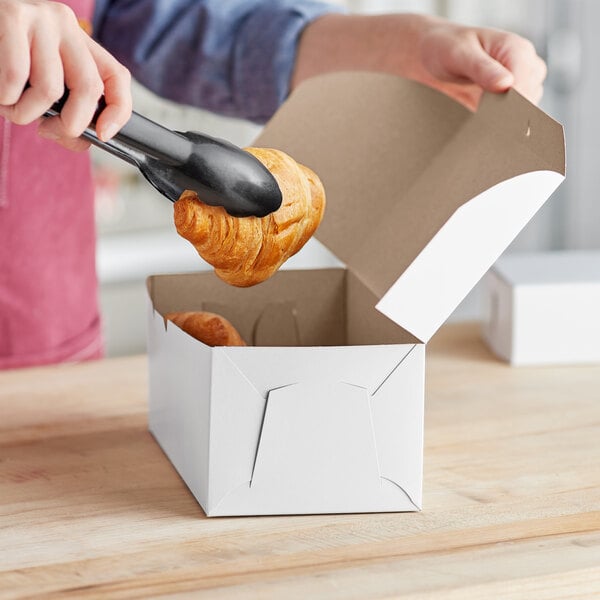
x: 172, y: 161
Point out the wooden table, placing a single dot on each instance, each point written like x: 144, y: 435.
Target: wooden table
x: 90, y: 507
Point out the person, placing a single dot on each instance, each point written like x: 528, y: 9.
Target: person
x: 239, y: 58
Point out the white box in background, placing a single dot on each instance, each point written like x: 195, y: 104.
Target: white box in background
x: 544, y: 308
x: 323, y: 412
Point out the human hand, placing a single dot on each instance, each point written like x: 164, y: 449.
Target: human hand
x: 463, y: 61
x: 42, y: 43
x: 458, y: 60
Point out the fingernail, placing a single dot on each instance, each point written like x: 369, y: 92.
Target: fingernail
x: 505, y: 81
x: 109, y: 130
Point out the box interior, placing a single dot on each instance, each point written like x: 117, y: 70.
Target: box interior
x: 321, y: 307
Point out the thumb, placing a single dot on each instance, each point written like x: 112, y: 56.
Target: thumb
x: 485, y: 71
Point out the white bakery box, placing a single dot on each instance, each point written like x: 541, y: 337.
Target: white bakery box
x: 323, y: 413
x: 542, y: 308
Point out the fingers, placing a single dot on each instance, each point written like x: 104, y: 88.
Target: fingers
x: 456, y: 55
x: 15, y: 63
x: 520, y: 57
x: 116, y: 82
x: 30, y: 28
x: 484, y: 70
x: 45, y: 76
x: 81, y: 77
x: 52, y: 129
x: 85, y: 89
x: 491, y: 59
x: 42, y: 43
x: 91, y: 72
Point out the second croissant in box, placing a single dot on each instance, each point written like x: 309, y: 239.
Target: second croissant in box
x: 247, y: 250
x: 207, y: 327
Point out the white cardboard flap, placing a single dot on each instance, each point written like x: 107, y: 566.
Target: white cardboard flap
x: 317, y: 454
x: 303, y: 413
x: 398, y: 160
x: 235, y: 422
x: 398, y: 425
x: 315, y: 440
x: 462, y: 251
x: 274, y: 367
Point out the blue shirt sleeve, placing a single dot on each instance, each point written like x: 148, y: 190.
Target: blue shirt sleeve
x: 233, y: 57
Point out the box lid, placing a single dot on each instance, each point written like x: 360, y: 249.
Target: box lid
x: 423, y: 195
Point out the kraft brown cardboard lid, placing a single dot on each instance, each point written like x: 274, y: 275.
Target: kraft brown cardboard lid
x: 399, y: 162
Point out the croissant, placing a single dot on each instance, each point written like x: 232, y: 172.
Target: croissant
x: 245, y: 251
x: 207, y: 327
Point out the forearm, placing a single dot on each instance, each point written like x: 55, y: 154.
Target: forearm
x: 459, y: 60
x: 386, y: 43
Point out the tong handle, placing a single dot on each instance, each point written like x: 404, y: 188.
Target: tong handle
x: 138, y: 138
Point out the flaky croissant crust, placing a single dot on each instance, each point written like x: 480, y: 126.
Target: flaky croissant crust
x: 245, y: 251
x: 207, y: 327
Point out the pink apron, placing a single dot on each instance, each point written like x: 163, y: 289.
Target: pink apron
x: 48, y: 289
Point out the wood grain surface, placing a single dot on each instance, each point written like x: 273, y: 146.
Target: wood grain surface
x: 91, y: 508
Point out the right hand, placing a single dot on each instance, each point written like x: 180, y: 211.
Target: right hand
x: 460, y: 61
x: 42, y: 43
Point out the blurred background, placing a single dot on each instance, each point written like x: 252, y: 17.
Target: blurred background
x: 136, y: 232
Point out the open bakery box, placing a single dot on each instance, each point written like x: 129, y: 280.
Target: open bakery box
x: 323, y: 411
